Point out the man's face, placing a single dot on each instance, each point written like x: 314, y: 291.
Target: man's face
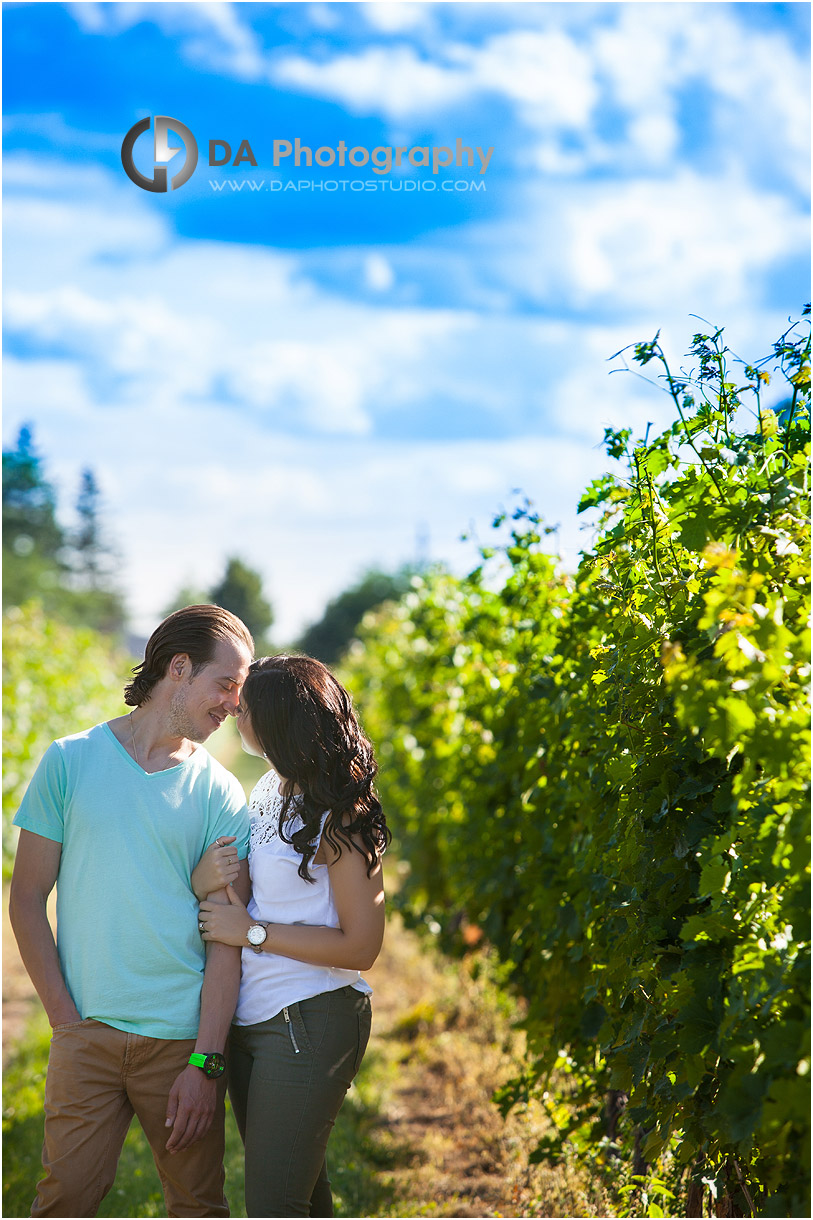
x: 201, y: 704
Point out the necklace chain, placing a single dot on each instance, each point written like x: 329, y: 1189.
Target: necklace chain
x: 132, y: 738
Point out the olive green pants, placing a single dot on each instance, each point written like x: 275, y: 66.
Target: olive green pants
x: 287, y: 1080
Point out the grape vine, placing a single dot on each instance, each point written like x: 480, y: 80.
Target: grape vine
x: 608, y: 774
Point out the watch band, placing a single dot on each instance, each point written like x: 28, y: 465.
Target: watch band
x: 258, y: 923
x: 212, y: 1064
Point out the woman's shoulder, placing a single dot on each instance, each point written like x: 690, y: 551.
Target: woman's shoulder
x: 265, y: 797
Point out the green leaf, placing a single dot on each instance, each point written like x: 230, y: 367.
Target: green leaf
x: 694, y: 533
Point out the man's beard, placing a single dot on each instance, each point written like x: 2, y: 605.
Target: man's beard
x: 180, y: 723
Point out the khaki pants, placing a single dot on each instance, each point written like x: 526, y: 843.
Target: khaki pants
x: 98, y: 1077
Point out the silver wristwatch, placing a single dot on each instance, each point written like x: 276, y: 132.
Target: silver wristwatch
x: 256, y: 936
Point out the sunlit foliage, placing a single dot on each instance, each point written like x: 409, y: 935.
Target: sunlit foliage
x: 608, y: 775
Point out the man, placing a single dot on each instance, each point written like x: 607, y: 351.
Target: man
x: 117, y: 817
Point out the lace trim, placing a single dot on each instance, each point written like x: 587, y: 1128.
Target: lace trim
x: 263, y: 831
x: 264, y: 806
x: 265, y: 803
x: 265, y: 796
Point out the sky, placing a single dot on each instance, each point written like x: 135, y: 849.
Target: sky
x: 322, y: 369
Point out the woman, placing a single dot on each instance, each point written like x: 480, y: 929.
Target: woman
x: 315, y: 918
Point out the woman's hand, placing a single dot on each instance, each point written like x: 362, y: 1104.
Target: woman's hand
x: 226, y: 924
x: 217, y: 867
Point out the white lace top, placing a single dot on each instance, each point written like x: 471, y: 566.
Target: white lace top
x: 279, y: 895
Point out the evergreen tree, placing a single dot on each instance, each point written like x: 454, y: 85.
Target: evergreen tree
x: 33, y: 540
x: 96, y: 601
x: 90, y: 552
x: 241, y: 591
x: 68, y: 572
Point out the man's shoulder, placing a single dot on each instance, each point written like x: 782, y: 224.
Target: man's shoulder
x: 219, y: 776
x: 74, y: 742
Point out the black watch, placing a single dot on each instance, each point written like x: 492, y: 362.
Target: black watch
x: 212, y: 1065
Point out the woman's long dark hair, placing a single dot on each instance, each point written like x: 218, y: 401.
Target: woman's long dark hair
x: 305, y: 724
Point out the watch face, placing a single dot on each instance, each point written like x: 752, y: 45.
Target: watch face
x: 256, y: 934
x: 215, y: 1064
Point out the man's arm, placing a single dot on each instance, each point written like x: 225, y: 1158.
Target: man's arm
x: 193, y: 1096
x: 35, y: 873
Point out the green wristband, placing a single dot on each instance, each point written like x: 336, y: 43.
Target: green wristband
x: 212, y: 1065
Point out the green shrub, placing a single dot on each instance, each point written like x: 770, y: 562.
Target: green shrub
x: 608, y: 775
x: 57, y: 680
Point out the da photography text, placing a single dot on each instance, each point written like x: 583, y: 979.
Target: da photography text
x: 294, y: 154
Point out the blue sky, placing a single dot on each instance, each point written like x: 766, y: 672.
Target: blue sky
x: 314, y: 379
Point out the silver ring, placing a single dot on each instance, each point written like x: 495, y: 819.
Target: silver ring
x: 201, y: 926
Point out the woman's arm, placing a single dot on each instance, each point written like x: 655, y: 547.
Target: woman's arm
x: 217, y: 867
x: 354, y: 945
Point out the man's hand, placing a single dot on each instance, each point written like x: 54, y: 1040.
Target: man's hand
x: 190, y: 1108
x: 66, y: 1014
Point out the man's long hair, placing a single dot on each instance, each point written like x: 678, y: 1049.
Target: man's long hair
x: 194, y: 630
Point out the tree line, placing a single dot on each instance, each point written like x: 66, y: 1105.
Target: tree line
x: 74, y: 572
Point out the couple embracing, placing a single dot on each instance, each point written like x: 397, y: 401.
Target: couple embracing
x: 179, y: 910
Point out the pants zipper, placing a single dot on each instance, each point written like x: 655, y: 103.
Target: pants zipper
x: 290, y: 1031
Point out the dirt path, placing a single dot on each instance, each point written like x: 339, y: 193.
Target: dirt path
x: 447, y: 1041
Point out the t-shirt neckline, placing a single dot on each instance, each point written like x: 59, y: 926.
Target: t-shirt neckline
x: 149, y: 774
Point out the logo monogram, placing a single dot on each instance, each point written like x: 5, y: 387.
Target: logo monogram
x: 162, y: 154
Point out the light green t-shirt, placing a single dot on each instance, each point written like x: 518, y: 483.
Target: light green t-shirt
x: 127, y: 919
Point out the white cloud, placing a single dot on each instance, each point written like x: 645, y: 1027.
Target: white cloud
x: 638, y: 53
x: 548, y: 75
x: 645, y: 60
x: 54, y: 128
x: 322, y: 383
x: 225, y: 42
x: 309, y: 515
x: 174, y: 322
x: 686, y: 236
x: 643, y: 247
x: 751, y: 76
x: 59, y: 216
x: 213, y: 34
x: 33, y: 388
x: 179, y: 322
x: 654, y: 138
x: 378, y: 273
x: 323, y: 16
x: 185, y: 487
x: 396, y: 81
x: 560, y: 67
x: 393, y: 18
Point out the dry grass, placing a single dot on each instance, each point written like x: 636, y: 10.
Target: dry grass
x: 444, y: 1041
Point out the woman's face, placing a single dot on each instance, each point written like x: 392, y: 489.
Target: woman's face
x: 250, y: 742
